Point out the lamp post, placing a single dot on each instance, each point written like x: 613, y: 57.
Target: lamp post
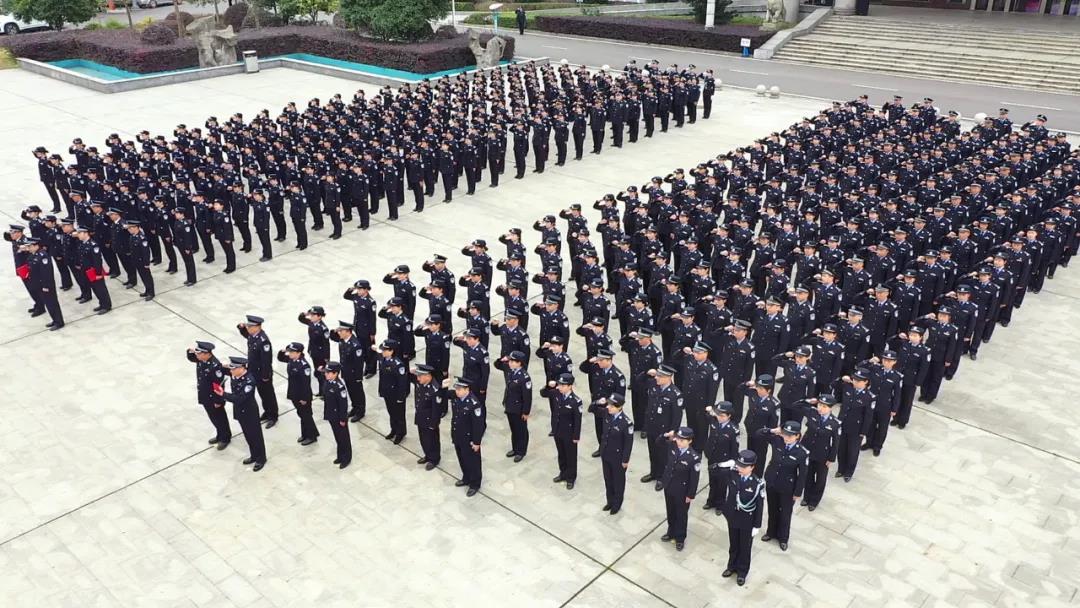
x: 494, y: 8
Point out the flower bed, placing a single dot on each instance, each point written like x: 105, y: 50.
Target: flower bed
x: 124, y: 49
x: 666, y: 32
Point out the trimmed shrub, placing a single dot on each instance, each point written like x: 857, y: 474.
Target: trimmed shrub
x: 159, y: 34
x: 124, y: 49
x: 234, y: 16
x: 668, y: 32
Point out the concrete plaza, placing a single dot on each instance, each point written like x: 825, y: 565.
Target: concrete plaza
x: 110, y: 497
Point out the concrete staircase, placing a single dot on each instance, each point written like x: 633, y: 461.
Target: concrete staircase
x: 1029, y: 60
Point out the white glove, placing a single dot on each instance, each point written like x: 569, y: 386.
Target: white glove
x: 727, y: 464
x: 753, y: 533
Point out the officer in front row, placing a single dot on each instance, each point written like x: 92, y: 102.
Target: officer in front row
x: 785, y: 479
x: 680, y: 482
x: 821, y: 440
x: 245, y: 410
x: 721, y: 448
x: 468, y: 422
x: 743, y: 511
x: 299, y: 389
x: 615, y: 446
x: 566, y: 429
x: 336, y: 411
x: 209, y: 376
x: 430, y: 399
x: 42, y: 281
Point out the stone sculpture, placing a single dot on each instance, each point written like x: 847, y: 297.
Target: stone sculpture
x: 216, y: 46
x: 490, y: 56
x: 774, y: 14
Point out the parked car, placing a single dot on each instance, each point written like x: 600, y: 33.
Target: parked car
x: 10, y: 25
x: 152, y: 3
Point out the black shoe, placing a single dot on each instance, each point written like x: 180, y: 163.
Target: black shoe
x: 369, y: 375
x: 82, y: 300
x: 148, y: 297
x: 707, y: 506
x: 803, y: 503
x: 337, y: 461
x: 212, y: 441
x: 36, y: 313
x: 569, y: 485
x: 838, y: 474
x: 596, y: 454
x: 973, y: 356
x: 727, y: 573
x: 389, y: 435
x: 460, y: 484
x: 607, y: 507
x: 519, y: 458
x: 678, y: 544
x: 55, y: 326
x: 398, y: 439
x: 343, y: 464
x: 783, y: 546
x: 98, y: 308
x: 811, y: 507
x: 471, y: 492
x: 613, y: 512
x: 265, y: 258
x: 421, y: 460
x: 229, y: 270
x: 659, y: 486
x: 647, y: 478
x: 429, y: 466
x: 188, y: 283
x: 893, y: 423
x: 901, y: 426
x: 222, y: 445
x: 511, y: 454
x: 355, y: 418
x: 558, y: 479
x: 271, y: 423
x: 740, y: 581
x: 766, y: 538
x: 666, y: 538
x: 308, y: 441
x: 551, y: 433
x: 847, y: 479
x: 864, y: 447
x: 643, y: 435
x: 248, y: 460
x: 258, y: 467
x: 103, y: 311
x: 877, y: 451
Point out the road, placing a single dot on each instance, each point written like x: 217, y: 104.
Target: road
x: 1063, y: 110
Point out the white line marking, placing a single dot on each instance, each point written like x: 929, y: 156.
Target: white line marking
x: 866, y: 86
x: 1024, y: 105
x: 560, y: 48
x: 750, y: 72
x: 641, y: 58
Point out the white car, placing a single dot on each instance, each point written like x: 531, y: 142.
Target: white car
x: 10, y: 25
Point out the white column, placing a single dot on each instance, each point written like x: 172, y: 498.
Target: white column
x: 791, y: 11
x: 844, y: 7
x: 710, y: 14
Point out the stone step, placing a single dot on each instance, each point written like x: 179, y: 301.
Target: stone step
x: 1047, y: 82
x: 880, y: 24
x: 1002, y: 62
x: 1062, y: 45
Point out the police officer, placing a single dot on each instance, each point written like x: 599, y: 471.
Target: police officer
x: 644, y: 356
x: 763, y: 412
x: 187, y: 243
x: 430, y: 398
x: 352, y: 354
x: 737, y: 366
x: 566, y: 429
x: 856, y: 415
x: 913, y: 362
x: 605, y: 380
x: 785, y: 479
x: 222, y: 228
x: 886, y: 383
x: 364, y: 316
x: 680, y: 482
x: 800, y: 380
x: 770, y: 336
x: 42, y: 281
x: 468, y: 422
x: 336, y: 411
x: 743, y: 511
x: 299, y: 390
x: 663, y: 415
x: 615, y: 447
x: 822, y: 439
x: 721, y: 449
x: 436, y: 346
x: 245, y: 409
x: 259, y: 359
x: 517, y: 401
x: 298, y: 214
x: 476, y: 364
x: 318, y: 340
x: 700, y: 383
x: 393, y: 388
x: 139, y: 248
x: 210, y: 376
x: 90, y: 266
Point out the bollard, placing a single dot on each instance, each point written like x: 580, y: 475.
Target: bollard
x: 605, y: 67
x: 981, y: 116
x: 719, y: 84
x: 760, y: 89
x: 774, y: 92
x: 251, y: 62
x: 563, y: 61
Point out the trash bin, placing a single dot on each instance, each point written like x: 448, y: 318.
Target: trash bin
x: 251, y: 62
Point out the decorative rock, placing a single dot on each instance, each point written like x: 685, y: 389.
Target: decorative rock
x: 486, y: 56
x: 760, y: 90
x: 774, y: 92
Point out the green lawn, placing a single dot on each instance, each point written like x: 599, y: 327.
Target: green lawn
x: 7, y: 60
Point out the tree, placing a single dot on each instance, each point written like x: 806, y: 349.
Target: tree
x: 54, y: 12
x: 407, y: 20
x: 722, y: 14
x: 307, y: 8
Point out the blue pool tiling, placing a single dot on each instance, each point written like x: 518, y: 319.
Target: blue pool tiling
x: 110, y: 73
